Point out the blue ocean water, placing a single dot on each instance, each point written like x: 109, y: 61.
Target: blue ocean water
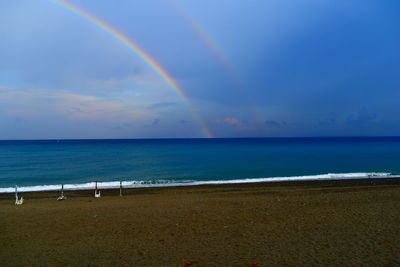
x: 163, y: 161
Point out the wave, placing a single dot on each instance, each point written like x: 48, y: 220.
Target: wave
x: 169, y: 183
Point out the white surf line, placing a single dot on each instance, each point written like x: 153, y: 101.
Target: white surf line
x: 165, y: 183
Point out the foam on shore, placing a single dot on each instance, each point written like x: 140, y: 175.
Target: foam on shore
x: 169, y: 183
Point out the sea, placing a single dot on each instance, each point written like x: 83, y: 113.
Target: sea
x: 41, y: 165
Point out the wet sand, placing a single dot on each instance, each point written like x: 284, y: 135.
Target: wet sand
x: 330, y: 223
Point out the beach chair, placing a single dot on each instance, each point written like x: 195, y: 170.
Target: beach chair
x: 97, y: 192
x: 62, y: 197
x: 18, y: 201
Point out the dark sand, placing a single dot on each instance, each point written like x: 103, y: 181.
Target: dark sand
x: 334, y: 223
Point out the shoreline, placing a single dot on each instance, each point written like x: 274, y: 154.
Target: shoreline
x: 128, y: 184
x: 316, y: 183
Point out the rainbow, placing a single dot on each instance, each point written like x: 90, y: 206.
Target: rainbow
x: 205, y: 37
x: 139, y: 51
x: 218, y: 53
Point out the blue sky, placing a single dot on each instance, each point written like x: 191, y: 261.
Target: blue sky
x: 300, y: 68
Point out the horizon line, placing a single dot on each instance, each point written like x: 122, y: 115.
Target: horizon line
x: 205, y: 138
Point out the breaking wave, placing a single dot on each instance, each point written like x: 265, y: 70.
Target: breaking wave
x: 168, y: 183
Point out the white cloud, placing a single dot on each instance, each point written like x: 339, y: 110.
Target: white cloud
x: 43, y: 114
x: 30, y: 103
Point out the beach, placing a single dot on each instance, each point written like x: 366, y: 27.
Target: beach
x: 305, y: 223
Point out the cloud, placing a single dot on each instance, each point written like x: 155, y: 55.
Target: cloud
x: 48, y: 47
x: 161, y: 105
x: 362, y: 119
x: 310, y: 68
x: 29, y: 103
x: 229, y: 121
x: 274, y: 123
x: 27, y: 113
x: 236, y: 123
x: 232, y: 121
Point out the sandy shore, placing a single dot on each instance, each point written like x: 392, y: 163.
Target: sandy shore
x: 331, y: 223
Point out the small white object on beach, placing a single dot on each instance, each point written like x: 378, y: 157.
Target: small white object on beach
x: 62, y: 197
x: 18, y: 201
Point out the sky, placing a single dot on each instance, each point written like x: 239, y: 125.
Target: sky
x: 255, y: 68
